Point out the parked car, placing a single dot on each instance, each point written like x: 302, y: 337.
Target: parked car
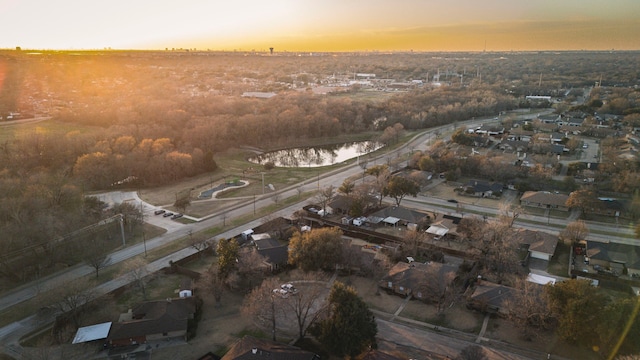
x: 281, y: 292
x: 158, y: 212
x: 453, y: 201
x: 176, y: 216
x: 167, y: 214
x: 289, y: 288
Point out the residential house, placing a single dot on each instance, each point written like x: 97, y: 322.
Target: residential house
x: 558, y: 149
x: 545, y: 200
x: 479, y: 188
x: 418, y: 279
x: 611, y: 207
x: 549, y: 119
x: 514, y: 146
x: 275, y: 254
x: 341, y: 204
x: 541, y: 245
x: 575, y: 122
x: 444, y: 226
x: 250, y: 348
x: 520, y: 135
x: 490, y: 297
x: 614, y: 257
x: 556, y: 137
x: 360, y: 255
x: 490, y: 129
x: 263, y: 241
x: 397, y: 215
x: 276, y: 257
x: 154, y: 320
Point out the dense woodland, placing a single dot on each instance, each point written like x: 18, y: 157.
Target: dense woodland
x: 153, y: 118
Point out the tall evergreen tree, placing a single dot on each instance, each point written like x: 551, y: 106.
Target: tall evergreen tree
x: 350, y: 328
x: 227, y: 250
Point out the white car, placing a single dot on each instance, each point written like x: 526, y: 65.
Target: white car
x: 281, y: 292
x: 289, y: 288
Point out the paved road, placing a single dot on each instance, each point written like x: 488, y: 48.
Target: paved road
x: 442, y: 343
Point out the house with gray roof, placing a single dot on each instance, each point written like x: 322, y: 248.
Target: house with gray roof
x: 154, y: 320
x: 614, y: 256
x: 418, y: 279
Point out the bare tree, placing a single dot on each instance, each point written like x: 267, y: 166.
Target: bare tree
x: 351, y: 256
x: 95, y: 255
x: 381, y: 173
x: 471, y: 227
x: 381, y: 266
x: 529, y: 308
x: 439, y: 287
x: 325, y: 196
x: 509, y: 213
x: 260, y: 305
x: 575, y: 231
x: 411, y: 243
x: 198, y: 241
x: 307, y: 304
x: 69, y: 297
x: 250, y: 261
x: 137, y: 273
x: 498, y: 250
x: 213, y: 283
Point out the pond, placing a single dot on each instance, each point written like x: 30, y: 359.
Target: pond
x: 317, y: 156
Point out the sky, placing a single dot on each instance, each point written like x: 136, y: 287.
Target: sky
x: 322, y: 25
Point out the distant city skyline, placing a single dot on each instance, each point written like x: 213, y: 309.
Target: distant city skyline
x: 322, y: 25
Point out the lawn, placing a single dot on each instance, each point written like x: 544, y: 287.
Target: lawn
x: 46, y: 127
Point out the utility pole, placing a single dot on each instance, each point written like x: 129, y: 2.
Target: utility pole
x: 124, y: 243
x: 144, y: 240
x: 262, y: 182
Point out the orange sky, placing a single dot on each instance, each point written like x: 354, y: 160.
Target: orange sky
x: 322, y: 25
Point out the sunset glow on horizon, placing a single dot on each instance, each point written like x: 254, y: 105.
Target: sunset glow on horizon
x: 322, y: 25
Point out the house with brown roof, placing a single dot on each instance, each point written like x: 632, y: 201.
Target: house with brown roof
x: 397, y: 215
x: 154, y: 320
x: 545, y: 200
x: 250, y: 348
x: 541, y: 245
x: 417, y: 279
x: 444, y: 226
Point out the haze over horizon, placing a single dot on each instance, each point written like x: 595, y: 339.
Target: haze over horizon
x: 321, y: 25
